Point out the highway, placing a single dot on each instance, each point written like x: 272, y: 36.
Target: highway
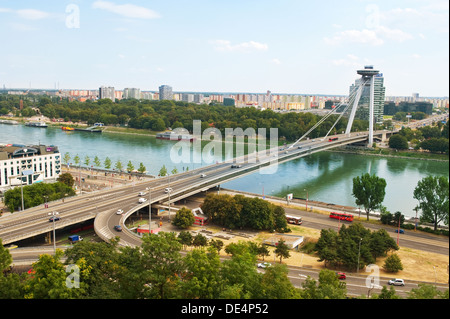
x: 102, y: 205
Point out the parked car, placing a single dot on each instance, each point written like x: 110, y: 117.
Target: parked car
x: 118, y: 228
x: 341, y: 275
x: 396, y: 282
x: 264, y: 265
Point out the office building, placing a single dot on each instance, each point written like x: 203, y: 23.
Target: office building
x: 31, y: 163
x: 165, y: 92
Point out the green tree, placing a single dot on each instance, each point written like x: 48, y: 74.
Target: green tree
x: 119, y: 166
x: 184, y: 218
x: 161, y: 254
x: 393, y: 264
x: 398, y: 142
x: 66, y: 158
x: 432, y: 192
x: 328, y: 287
x: 76, y: 159
x: 275, y: 284
x: 87, y: 161
x: 97, y: 162
x: 163, y: 171
x: 142, y: 168
x: 130, y: 167
x: 386, y: 294
x: 5, y: 258
x: 369, y: 191
x: 66, y: 178
x: 107, y: 163
x: 203, y: 275
x: 282, y: 250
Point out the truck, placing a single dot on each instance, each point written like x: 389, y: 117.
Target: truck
x: 75, y: 238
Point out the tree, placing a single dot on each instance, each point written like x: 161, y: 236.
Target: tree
x: 282, y: 250
x: 142, y: 168
x: 87, y: 161
x: 398, y: 142
x: 432, y: 194
x: 184, y: 218
x: 97, y: 162
x: 67, y: 179
x: 163, y: 171
x: 5, y: 258
x: 76, y: 159
x: 66, y: 158
x: 328, y: 287
x: 161, y: 255
x: 203, y: 275
x: 119, y: 166
x: 275, y: 284
x: 107, y: 163
x: 369, y: 191
x: 393, y: 263
x: 185, y: 238
x: 130, y: 167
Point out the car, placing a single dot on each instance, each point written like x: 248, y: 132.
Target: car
x: 299, y: 147
x: 396, y: 282
x: 264, y: 265
x: 236, y: 166
x: 202, y: 175
x: 341, y: 275
x: 54, y: 218
x: 142, y: 193
x: 118, y: 228
x: 142, y: 200
x: 119, y: 212
x: 401, y: 231
x: 168, y: 190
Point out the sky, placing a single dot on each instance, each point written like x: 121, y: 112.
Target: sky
x: 285, y: 46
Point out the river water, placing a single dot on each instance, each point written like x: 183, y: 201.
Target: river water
x: 324, y: 176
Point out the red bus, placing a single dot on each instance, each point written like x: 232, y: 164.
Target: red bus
x: 294, y: 220
x: 342, y: 216
x: 331, y: 139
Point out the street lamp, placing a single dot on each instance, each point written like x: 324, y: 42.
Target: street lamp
x: 359, y: 252
x: 54, y: 214
x: 150, y: 212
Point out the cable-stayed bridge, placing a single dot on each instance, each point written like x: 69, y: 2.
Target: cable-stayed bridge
x: 103, y: 205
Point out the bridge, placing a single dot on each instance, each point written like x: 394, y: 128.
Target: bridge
x: 102, y: 206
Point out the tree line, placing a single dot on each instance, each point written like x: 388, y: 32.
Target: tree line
x: 158, y: 270
x: 159, y: 115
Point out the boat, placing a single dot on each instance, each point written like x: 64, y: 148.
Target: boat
x: 175, y: 137
x: 66, y: 128
x: 10, y: 122
x: 36, y: 124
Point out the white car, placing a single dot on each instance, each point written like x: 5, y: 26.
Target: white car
x: 203, y: 175
x: 264, y: 265
x: 119, y: 212
x: 396, y: 282
x: 168, y: 190
x: 142, y: 200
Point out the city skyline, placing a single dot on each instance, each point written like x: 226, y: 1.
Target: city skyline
x: 293, y: 47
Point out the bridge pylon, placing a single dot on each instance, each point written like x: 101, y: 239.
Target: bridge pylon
x: 367, y: 79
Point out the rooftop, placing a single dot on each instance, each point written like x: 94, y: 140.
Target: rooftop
x: 9, y: 151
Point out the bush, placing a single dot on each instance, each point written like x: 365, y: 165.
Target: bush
x: 393, y: 264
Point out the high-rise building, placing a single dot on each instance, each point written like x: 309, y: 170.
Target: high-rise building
x: 132, y: 93
x: 379, y: 95
x: 165, y: 92
x: 107, y: 93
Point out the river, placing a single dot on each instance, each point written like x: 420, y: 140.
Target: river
x: 325, y: 176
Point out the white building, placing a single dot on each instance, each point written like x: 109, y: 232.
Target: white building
x: 34, y: 163
x: 107, y: 93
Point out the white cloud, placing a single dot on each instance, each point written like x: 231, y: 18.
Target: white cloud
x: 225, y: 45
x: 126, y: 10
x: 276, y: 61
x: 32, y: 14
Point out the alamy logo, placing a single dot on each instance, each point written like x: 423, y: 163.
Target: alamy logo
x: 259, y: 149
x: 73, y: 279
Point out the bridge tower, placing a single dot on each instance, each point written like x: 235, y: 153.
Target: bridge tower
x: 367, y: 79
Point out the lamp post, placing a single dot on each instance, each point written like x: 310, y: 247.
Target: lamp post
x: 359, y: 253
x: 150, y: 212
x: 21, y: 176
